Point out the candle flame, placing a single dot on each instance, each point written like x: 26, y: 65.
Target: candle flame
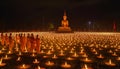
x: 1, y: 60
x: 23, y: 65
x: 36, y: 60
x: 6, y: 56
x: 38, y: 67
x: 48, y: 62
x: 110, y: 62
x: 86, y: 67
x: 66, y: 63
x: 18, y: 59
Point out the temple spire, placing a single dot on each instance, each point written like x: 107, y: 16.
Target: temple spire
x: 64, y: 13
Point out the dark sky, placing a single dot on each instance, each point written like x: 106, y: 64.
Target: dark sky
x: 38, y: 13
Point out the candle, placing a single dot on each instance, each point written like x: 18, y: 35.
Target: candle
x: 41, y: 52
x: 6, y: 57
x: 18, y: 59
x: 49, y: 52
x: 93, y: 50
x: 17, y: 49
x: 19, y: 54
x: 3, y: 49
x: 9, y: 52
x: 35, y: 61
x: 1, y: 52
x: 66, y: 65
x: 86, y: 67
x: 23, y: 66
x: 49, y: 63
x: 39, y: 67
x: 118, y: 58
x: 87, y: 60
x: 54, y: 57
x: 33, y: 55
x: 69, y: 58
x: 110, y: 63
x: 26, y: 50
x: 96, y: 53
x: 84, y: 55
x: 100, y: 56
x: 52, y: 50
x: 34, y: 51
x: 71, y: 51
x: 75, y: 55
x: 1, y: 63
x: 61, y: 53
x: 81, y: 52
x: 114, y: 54
x: 110, y: 51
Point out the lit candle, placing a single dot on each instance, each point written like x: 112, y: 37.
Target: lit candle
x: 110, y: 51
x: 54, y: 57
x: 75, y: 55
x: 19, y: 54
x: 18, y: 59
x: 39, y: 67
x: 96, y: 53
x: 100, y: 56
x: 87, y: 60
x: 93, y: 50
x: 33, y: 55
x: 110, y: 63
x: 1, y: 52
x: 86, y: 67
x: 26, y: 50
x: 6, y: 57
x: 49, y: 52
x: 35, y: 61
x: 114, y: 54
x: 69, y: 58
x: 118, y: 58
x: 1, y: 63
x: 66, y: 65
x: 9, y: 52
x: 41, y: 52
x: 17, y: 49
x: 34, y: 51
x: 81, y: 52
x: 3, y: 49
x: 71, y: 51
x: 52, y: 50
x: 61, y: 53
x: 85, y: 55
x: 23, y: 66
x: 49, y: 63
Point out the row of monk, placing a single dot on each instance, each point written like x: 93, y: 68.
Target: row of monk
x: 24, y: 42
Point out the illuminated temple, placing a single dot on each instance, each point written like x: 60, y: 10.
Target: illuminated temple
x: 64, y: 28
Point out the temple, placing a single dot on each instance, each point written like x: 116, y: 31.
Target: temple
x: 64, y: 28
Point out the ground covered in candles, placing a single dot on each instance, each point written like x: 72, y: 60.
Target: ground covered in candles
x: 78, y: 50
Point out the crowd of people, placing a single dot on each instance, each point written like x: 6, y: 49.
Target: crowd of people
x: 24, y: 42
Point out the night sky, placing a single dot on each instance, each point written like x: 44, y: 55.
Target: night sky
x: 38, y: 14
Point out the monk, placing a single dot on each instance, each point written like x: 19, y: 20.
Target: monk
x: 37, y: 44
x: 28, y: 42
x: 2, y: 39
x: 33, y: 42
x: 6, y: 40
x: 11, y: 42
